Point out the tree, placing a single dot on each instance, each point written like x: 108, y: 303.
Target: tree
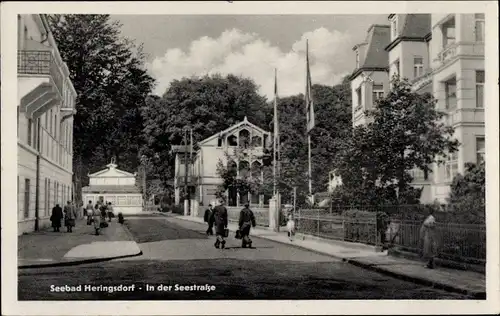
x: 467, y: 195
x: 206, y: 104
x: 108, y: 74
x: 405, y: 132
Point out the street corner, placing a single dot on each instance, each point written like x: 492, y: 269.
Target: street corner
x: 104, y: 250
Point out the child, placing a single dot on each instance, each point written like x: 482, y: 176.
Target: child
x: 290, y: 225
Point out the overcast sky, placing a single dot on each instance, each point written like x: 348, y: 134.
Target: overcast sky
x: 252, y: 46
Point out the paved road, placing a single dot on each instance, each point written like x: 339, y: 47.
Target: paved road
x: 178, y: 252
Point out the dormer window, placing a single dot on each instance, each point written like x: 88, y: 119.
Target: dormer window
x: 359, y: 97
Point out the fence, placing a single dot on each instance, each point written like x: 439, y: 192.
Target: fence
x: 328, y: 224
x: 460, y: 242
x: 261, y: 215
x: 400, y: 228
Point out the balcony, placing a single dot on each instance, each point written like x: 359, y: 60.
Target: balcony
x: 40, y: 63
x: 422, y: 81
x: 458, y: 49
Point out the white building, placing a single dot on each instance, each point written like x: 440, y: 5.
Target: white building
x: 115, y: 186
x: 46, y: 106
x: 442, y: 54
x: 203, y: 179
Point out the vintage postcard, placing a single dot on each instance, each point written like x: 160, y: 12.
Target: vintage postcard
x: 231, y: 157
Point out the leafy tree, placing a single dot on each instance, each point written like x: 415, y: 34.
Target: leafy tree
x: 207, y: 104
x: 467, y: 195
x: 107, y: 72
x: 405, y: 131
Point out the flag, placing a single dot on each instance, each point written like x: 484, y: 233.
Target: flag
x: 308, y: 94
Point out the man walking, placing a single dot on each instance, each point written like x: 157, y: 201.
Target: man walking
x: 219, y: 218
x: 247, y: 220
x: 206, y: 218
x: 56, y: 217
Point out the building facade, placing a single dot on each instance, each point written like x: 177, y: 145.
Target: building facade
x: 115, y: 186
x: 442, y: 54
x: 243, y: 143
x: 45, y: 111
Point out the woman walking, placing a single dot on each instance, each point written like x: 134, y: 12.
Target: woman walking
x: 69, y: 217
x: 56, y: 217
x: 219, y: 220
x: 428, y: 235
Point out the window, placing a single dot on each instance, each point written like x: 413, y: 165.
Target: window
x: 55, y: 193
x: 480, y: 149
x: 480, y: 88
x: 359, y: 98
x: 50, y: 126
x: 396, y: 68
x: 27, y: 196
x: 46, y: 121
x: 451, y: 94
x: 479, y: 27
x: 378, y: 92
x: 37, y: 142
x: 451, y: 167
x: 46, y: 196
x: 449, y: 32
x: 357, y: 59
x: 219, y: 142
x: 30, y: 132
x: 418, y: 66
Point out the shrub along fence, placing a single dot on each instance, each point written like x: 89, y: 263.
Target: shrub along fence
x: 398, y: 226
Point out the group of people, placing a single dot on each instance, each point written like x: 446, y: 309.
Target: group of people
x: 218, y: 217
x: 69, y: 215
x: 97, y: 214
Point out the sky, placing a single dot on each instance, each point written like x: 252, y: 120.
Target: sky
x: 253, y: 46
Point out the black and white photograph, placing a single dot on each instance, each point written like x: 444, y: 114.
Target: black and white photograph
x: 245, y: 155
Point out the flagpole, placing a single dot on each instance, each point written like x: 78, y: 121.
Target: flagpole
x: 275, y: 135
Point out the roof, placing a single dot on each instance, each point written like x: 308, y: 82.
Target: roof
x: 112, y: 167
x: 230, y: 128
x: 412, y: 27
x: 111, y: 189
x: 376, y: 57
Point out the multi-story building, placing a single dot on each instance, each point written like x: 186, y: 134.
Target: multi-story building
x: 45, y: 110
x: 442, y: 54
x: 243, y: 143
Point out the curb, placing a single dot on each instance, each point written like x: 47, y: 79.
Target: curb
x: 76, y: 262
x: 84, y: 261
x: 417, y: 280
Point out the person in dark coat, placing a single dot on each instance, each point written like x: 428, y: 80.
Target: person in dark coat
x: 219, y: 219
x: 206, y: 218
x: 56, y: 217
x: 247, y: 220
x: 69, y: 216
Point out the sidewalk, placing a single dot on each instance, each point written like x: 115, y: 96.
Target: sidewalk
x: 365, y: 256
x: 47, y: 248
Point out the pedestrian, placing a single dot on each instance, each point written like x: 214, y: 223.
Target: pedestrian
x: 290, y: 226
x: 96, y: 216
x: 428, y: 237
x: 206, y: 218
x: 56, y: 217
x: 103, y: 209
x: 69, y: 217
x: 219, y: 219
x: 247, y: 220
x: 110, y: 211
x: 89, y: 212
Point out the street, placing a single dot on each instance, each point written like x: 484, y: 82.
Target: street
x: 178, y: 252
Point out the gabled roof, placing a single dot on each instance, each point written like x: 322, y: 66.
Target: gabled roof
x: 412, y: 27
x: 229, y: 129
x: 375, y: 57
x: 110, y: 167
